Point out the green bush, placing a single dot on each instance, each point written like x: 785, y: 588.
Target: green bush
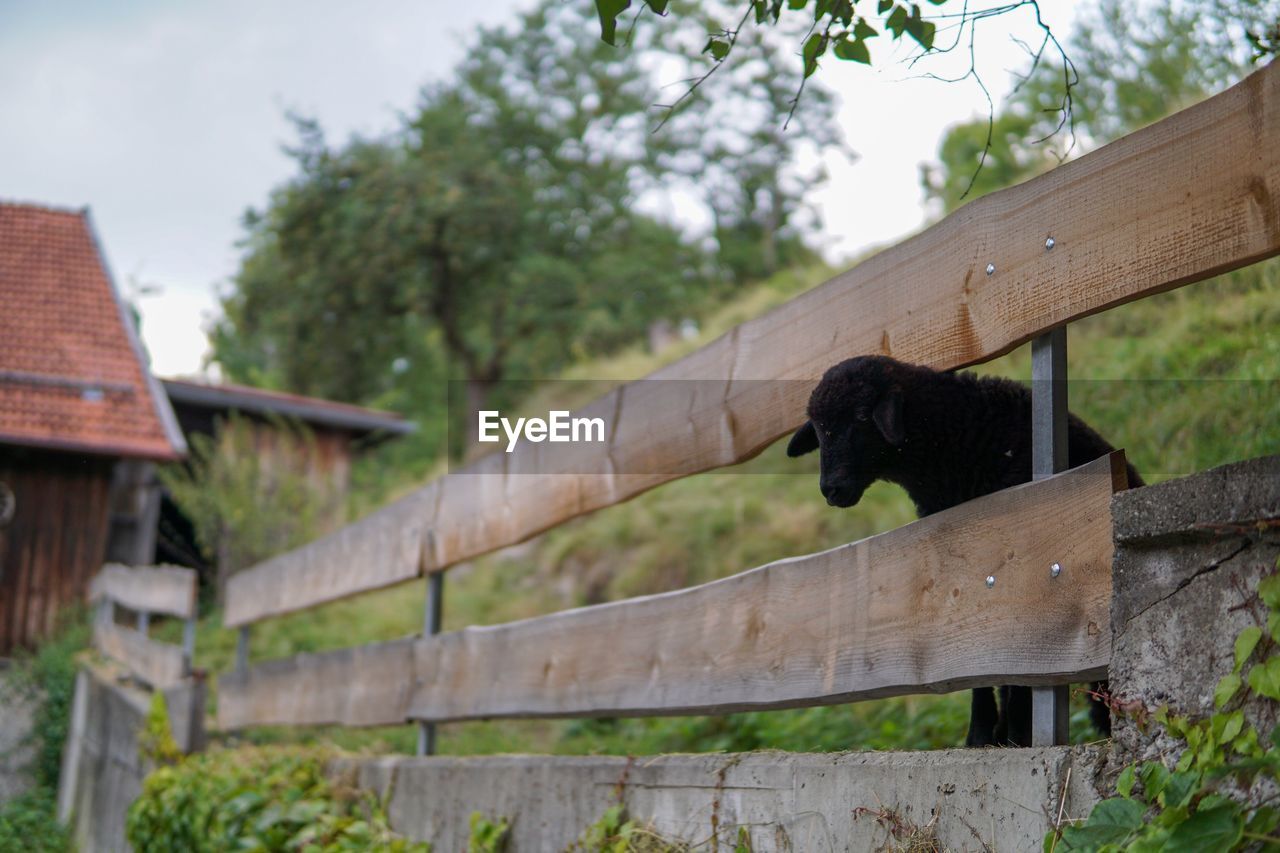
x: 1200, y: 802
x: 256, y: 799
x: 252, y: 491
x: 28, y: 824
x: 51, y: 672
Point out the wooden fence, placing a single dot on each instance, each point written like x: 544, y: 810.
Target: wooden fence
x: 166, y: 590
x: 1191, y: 197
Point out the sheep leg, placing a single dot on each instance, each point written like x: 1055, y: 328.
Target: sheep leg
x: 1014, y: 725
x: 983, y: 717
x: 1099, y: 713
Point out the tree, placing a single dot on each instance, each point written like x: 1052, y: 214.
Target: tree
x: 738, y: 138
x: 1132, y: 69
x: 496, y: 232
x: 833, y: 25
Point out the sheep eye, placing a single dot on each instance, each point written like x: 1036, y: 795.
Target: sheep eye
x: 861, y: 416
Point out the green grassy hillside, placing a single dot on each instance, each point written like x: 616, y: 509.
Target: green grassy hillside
x: 1183, y: 381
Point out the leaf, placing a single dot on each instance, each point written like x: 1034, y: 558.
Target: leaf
x: 659, y: 6
x: 1264, y: 678
x: 897, y: 21
x: 609, y: 10
x: 1110, y: 822
x: 919, y: 29
x: 717, y: 48
x: 1181, y: 786
x: 813, y: 48
x: 1269, y: 591
x: 1209, y: 829
x: 1124, y: 784
x: 1264, y: 820
x: 862, y: 30
x: 855, y: 51
x: 1245, y: 644
x: 1154, y: 777
x: 797, y: 4
x: 1231, y: 727
x: 883, y: 6
x: 1273, y: 624
x: 1227, y: 687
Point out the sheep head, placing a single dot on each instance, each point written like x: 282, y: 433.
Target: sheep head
x: 855, y: 421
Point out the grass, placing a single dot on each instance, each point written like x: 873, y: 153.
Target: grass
x: 28, y: 822
x: 1184, y: 381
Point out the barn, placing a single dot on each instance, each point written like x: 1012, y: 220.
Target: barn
x: 82, y: 420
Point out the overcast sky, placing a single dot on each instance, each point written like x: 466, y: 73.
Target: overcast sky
x: 166, y: 119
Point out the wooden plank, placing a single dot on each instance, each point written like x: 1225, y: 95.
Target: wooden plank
x: 1188, y: 198
x: 363, y: 686
x: 381, y: 549
x: 907, y: 611
x: 158, y: 664
x: 904, y: 612
x: 155, y: 589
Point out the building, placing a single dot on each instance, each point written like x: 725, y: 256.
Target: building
x: 337, y: 433
x: 83, y: 425
x: 82, y: 420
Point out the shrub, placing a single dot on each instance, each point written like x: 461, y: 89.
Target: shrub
x: 251, y: 491
x: 29, y: 824
x: 256, y: 799
x: 1202, y: 802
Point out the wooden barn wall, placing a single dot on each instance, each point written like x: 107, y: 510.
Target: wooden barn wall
x: 55, y: 541
x: 325, y: 459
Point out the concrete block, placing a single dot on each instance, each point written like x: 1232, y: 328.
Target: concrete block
x: 971, y: 799
x: 185, y: 704
x: 102, y: 771
x: 1189, y: 555
x: 18, y: 707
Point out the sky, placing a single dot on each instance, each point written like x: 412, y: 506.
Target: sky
x: 168, y: 119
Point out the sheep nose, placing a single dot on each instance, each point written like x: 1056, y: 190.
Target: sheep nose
x: 841, y: 496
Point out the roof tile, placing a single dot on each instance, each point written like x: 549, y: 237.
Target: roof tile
x: 70, y: 375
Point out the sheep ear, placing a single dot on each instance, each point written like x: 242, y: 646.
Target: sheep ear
x: 804, y: 441
x: 888, y: 417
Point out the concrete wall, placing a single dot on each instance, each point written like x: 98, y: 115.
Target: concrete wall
x: 17, y: 749
x: 1189, y: 554
x: 102, y: 770
x: 787, y: 801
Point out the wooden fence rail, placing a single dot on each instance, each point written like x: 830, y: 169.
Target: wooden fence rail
x: 169, y: 590
x: 162, y: 589
x: 902, y: 612
x: 1188, y: 198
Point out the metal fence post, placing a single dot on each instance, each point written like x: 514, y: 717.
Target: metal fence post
x: 430, y: 627
x: 144, y: 621
x: 1049, y: 705
x: 242, y: 650
x: 189, y: 643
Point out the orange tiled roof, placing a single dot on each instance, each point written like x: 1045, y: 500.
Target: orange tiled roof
x: 72, y: 374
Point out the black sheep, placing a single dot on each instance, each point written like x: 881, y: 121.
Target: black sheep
x: 946, y: 438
